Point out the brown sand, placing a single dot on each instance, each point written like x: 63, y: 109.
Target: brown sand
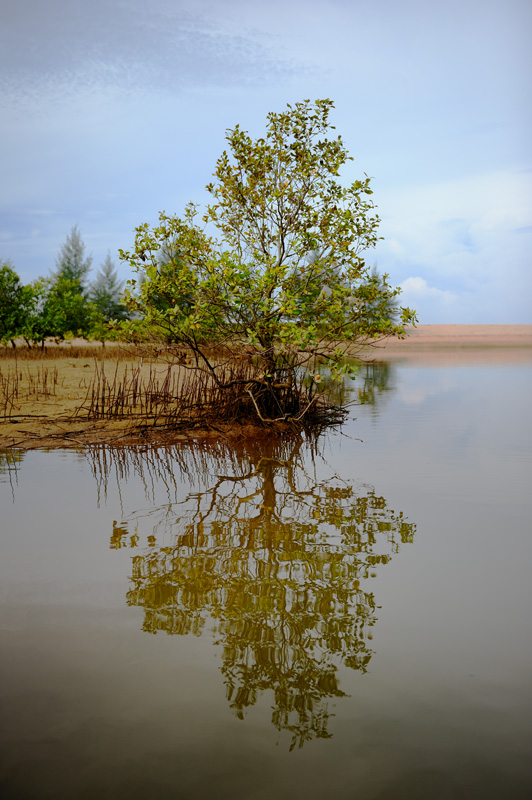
x: 465, y: 336
x: 465, y: 344
x: 48, y: 411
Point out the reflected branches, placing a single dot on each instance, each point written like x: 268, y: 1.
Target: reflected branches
x: 264, y: 546
x: 10, y: 462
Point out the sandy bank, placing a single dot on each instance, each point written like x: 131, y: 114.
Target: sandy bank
x: 464, y: 344
x: 464, y: 336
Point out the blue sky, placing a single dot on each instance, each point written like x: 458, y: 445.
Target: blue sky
x: 114, y: 110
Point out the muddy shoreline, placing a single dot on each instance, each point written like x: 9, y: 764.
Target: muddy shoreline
x: 48, y: 419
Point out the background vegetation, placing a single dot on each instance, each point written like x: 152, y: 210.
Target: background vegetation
x: 63, y: 305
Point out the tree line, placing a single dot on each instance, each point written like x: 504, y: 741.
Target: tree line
x: 64, y: 304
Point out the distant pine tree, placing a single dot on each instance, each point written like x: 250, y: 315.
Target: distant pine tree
x: 71, y: 263
x: 105, y: 292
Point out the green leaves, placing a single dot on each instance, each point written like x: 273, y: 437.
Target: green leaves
x: 16, y: 303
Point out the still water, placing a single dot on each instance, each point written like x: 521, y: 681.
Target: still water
x: 345, y: 617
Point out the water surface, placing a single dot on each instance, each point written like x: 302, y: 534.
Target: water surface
x: 348, y: 616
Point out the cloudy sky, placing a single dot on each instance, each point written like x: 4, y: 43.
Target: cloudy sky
x: 114, y: 110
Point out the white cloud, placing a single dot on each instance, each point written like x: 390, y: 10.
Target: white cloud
x: 429, y: 301
x: 418, y: 288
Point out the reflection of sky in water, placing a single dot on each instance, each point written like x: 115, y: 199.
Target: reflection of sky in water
x: 458, y: 430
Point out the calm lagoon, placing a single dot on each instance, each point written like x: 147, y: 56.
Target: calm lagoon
x: 347, y: 617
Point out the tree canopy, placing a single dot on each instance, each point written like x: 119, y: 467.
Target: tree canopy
x: 290, y: 262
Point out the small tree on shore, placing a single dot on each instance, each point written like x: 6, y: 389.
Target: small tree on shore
x: 287, y: 284
x: 59, y: 310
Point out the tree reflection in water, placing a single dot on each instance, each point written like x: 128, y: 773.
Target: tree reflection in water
x: 375, y: 382
x: 10, y: 461
x: 269, y: 556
